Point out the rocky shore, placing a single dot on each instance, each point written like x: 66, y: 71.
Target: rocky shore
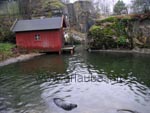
x: 19, y: 58
x: 136, y: 50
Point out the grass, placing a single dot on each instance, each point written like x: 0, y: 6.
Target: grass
x: 6, y: 50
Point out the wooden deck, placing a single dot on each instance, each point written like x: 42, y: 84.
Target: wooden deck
x: 68, y: 49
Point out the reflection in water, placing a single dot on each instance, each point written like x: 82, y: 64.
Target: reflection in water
x: 97, y: 83
x: 47, y: 63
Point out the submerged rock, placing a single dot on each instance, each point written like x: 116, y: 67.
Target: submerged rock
x: 126, y: 111
x: 64, y: 105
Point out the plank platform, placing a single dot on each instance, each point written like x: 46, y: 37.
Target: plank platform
x: 68, y: 49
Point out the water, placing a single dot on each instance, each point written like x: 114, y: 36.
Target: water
x: 96, y: 82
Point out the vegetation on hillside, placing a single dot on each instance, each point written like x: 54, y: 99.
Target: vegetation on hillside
x: 23, y: 9
x: 120, y: 32
x: 109, y: 33
x: 45, y: 8
x: 112, y: 32
x: 6, y: 50
x: 6, y: 35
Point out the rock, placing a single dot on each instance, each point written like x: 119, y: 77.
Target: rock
x: 137, y: 41
x: 64, y: 105
x: 126, y: 111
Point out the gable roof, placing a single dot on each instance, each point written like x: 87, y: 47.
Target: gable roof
x: 38, y: 24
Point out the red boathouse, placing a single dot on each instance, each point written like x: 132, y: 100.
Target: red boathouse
x: 40, y: 34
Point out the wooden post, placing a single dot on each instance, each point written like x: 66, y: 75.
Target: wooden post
x: 60, y: 52
x: 71, y: 51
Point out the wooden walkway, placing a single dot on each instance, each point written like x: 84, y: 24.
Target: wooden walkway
x: 68, y: 49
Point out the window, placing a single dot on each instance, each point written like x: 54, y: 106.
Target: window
x: 37, y: 37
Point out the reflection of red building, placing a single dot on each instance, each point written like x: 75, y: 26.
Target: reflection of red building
x: 44, y: 64
x: 40, y: 34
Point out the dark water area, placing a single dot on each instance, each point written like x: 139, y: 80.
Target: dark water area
x: 96, y: 82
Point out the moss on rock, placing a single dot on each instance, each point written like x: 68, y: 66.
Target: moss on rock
x: 109, y: 33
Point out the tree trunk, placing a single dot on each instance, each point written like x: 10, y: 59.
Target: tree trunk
x: 24, y: 8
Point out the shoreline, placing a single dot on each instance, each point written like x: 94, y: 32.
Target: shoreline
x: 20, y: 58
x: 25, y: 57
x: 137, y: 50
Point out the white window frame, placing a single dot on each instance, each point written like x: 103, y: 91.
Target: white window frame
x: 37, y: 37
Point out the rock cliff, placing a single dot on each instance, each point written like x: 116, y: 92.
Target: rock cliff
x: 128, y: 31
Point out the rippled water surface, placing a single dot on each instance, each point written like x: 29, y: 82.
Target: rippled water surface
x: 96, y: 82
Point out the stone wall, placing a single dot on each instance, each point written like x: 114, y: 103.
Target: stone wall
x: 140, y: 32
x: 81, y: 15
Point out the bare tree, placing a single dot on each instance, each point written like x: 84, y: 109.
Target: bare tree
x: 103, y: 6
x: 141, y: 6
x: 24, y: 8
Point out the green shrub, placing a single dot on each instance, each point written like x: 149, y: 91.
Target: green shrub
x: 6, y: 47
x: 100, y: 38
x: 109, y: 33
x: 121, y: 40
x: 6, y: 50
x: 7, y: 36
x: 109, y: 19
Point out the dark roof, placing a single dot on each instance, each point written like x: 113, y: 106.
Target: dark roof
x: 38, y: 24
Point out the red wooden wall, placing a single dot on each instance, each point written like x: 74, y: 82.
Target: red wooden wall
x: 51, y: 40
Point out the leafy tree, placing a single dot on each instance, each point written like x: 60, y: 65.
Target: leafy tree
x: 119, y: 7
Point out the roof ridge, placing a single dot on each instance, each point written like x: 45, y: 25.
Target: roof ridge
x: 14, y: 24
x: 39, y: 19
x: 38, y: 24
